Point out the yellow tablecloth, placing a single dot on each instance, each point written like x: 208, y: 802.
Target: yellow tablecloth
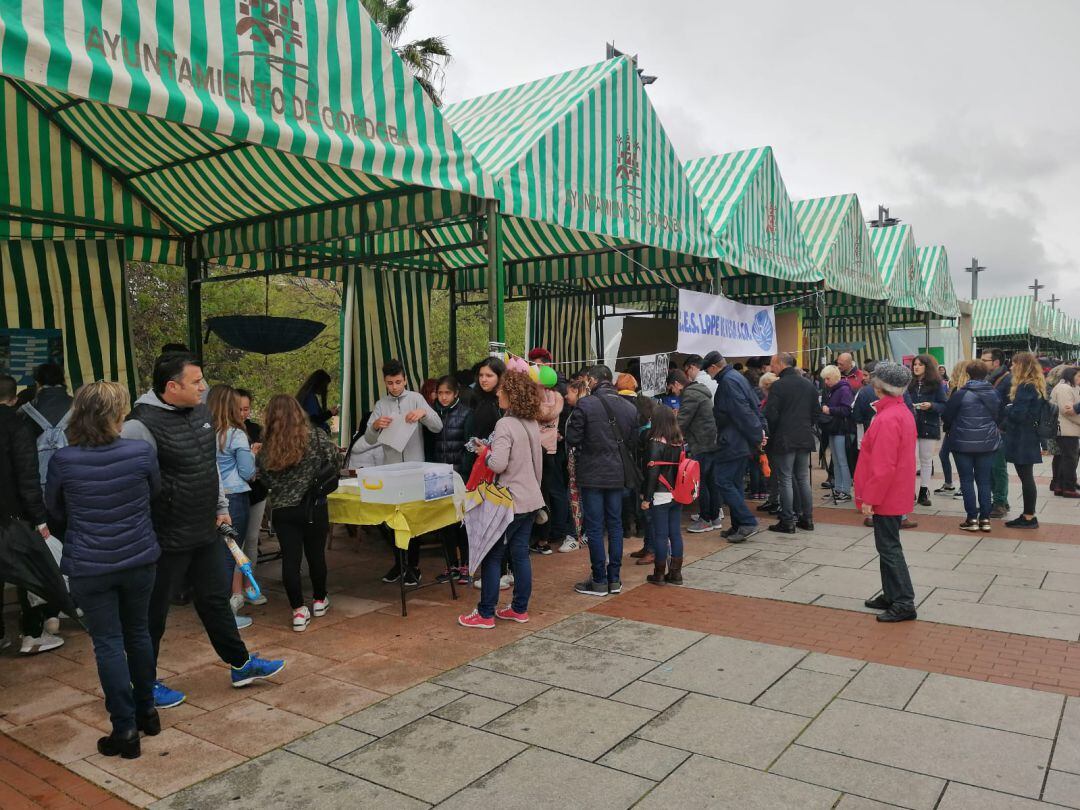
x: 406, y: 519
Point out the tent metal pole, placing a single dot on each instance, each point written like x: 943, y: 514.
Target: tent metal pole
x: 193, y: 273
x: 598, y: 323
x: 928, y: 333
x: 496, y: 280
x: 452, y: 331
x: 888, y: 340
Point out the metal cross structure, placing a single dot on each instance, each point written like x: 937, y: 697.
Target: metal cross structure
x: 975, y: 269
x: 1054, y: 301
x: 1036, y: 287
x: 883, y: 219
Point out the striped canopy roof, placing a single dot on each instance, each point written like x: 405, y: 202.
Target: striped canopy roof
x: 839, y: 241
x: 935, y: 281
x: 751, y: 215
x: 898, y: 261
x: 1010, y: 316
x: 160, y: 120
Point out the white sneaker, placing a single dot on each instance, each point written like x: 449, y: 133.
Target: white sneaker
x: 236, y: 601
x: 695, y: 517
x: 505, y: 581
x: 301, y: 618
x: 320, y: 606
x: 569, y: 544
x: 43, y: 643
x: 52, y: 625
x: 260, y: 600
x: 476, y: 581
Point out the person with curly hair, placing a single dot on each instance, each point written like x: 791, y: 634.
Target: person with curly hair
x: 1022, y: 447
x: 516, y: 458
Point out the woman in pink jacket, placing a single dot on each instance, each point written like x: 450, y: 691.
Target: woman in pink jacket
x: 885, y: 487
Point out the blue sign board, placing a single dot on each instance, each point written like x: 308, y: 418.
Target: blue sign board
x: 23, y: 350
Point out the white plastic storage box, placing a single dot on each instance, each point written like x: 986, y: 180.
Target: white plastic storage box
x: 407, y: 481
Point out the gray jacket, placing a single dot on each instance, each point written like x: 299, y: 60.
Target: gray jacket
x: 397, y: 407
x: 696, y: 420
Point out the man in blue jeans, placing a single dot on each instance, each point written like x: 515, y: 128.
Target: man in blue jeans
x: 740, y: 429
x: 603, y: 428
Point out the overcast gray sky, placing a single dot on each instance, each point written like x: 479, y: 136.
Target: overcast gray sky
x: 962, y: 116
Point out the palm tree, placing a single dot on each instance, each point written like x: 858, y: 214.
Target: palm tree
x: 426, y: 58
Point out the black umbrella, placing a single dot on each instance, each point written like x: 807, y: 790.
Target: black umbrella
x: 265, y: 334
x: 25, y: 561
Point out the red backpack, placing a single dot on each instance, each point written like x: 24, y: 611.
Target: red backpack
x: 687, y: 478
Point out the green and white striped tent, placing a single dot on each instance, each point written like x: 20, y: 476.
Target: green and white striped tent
x: 237, y: 131
x: 936, y: 283
x: 897, y: 259
x: 1009, y: 321
x: 835, y: 231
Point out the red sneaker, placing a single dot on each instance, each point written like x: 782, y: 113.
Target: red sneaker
x: 474, y: 619
x: 511, y: 615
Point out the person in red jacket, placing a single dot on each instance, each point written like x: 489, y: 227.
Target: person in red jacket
x: 885, y: 487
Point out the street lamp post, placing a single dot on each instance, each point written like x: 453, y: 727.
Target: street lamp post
x: 975, y: 269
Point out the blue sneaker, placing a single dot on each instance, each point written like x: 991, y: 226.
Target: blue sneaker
x: 243, y: 622
x: 255, y: 669
x: 166, y: 698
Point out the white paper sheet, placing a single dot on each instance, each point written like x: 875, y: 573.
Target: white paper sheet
x: 397, y: 435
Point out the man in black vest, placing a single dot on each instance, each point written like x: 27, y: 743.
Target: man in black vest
x: 186, y: 514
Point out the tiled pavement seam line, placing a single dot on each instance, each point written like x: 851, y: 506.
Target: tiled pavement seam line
x: 985, y: 655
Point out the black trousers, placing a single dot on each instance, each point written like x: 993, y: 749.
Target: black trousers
x: 1026, y: 474
x: 895, y: 578
x: 300, y: 538
x: 211, y: 585
x: 1065, y: 462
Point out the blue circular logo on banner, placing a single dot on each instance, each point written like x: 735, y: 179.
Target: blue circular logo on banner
x: 763, y: 330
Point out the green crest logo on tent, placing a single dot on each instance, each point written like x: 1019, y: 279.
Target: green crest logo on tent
x: 627, y: 164
x: 268, y: 23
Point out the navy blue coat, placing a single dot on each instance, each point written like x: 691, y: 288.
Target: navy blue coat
x: 740, y: 425
x: 599, y: 465
x: 103, y: 495
x: 1022, y: 445
x: 928, y: 423
x: 971, y: 417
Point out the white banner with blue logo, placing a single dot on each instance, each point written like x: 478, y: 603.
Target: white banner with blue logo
x: 715, y: 323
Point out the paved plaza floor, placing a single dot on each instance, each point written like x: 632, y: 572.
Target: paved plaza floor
x: 762, y: 684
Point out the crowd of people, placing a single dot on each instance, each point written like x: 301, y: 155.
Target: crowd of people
x: 144, y: 495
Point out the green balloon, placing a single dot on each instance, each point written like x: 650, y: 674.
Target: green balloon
x: 547, y: 376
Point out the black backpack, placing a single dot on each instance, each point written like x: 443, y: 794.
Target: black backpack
x: 1046, y: 424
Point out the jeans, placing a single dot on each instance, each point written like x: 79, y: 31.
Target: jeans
x: 299, y: 539
x: 709, y: 491
x: 1000, y: 480
x: 895, y: 579
x: 515, y: 543
x: 254, y: 526
x: 557, y: 493
x: 239, y: 512
x: 603, y: 509
x: 975, y: 471
x: 841, y: 473
x: 926, y: 450
x: 115, y: 610
x: 792, y: 472
x: 946, y: 465
x: 1026, y: 473
x: 729, y: 477
x: 204, y: 567
x: 667, y: 525
x: 1065, y: 462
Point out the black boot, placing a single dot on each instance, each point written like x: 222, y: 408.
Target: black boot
x: 125, y: 745
x: 659, y: 570
x: 674, y: 574
x: 149, y: 724
x: 924, y: 496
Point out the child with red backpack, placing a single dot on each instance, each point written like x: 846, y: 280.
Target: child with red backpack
x: 671, y: 482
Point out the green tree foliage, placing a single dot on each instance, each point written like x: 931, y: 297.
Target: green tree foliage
x: 426, y: 58
x: 472, y: 332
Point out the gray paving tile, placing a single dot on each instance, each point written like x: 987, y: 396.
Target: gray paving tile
x: 824, y: 539
x: 1026, y: 559
x: 707, y: 784
x: 865, y: 779
x: 573, y: 723
x: 841, y: 530
x: 1020, y: 582
x: 731, y: 554
x: 401, y: 709
x: 850, y: 558
x: 745, y: 585
x: 910, y: 541
x: 1000, y: 760
x: 852, y: 603
x: 1005, y: 619
x: 1062, y: 582
x: 850, y: 802
x: 642, y: 640
x: 967, y: 797
x: 430, y: 759
x: 494, y: 685
x: 539, y: 778
x: 726, y: 667
x: 959, y: 580
x: 1067, y: 749
x: 932, y: 559
x: 1025, y: 574
x: 831, y: 664
x: 956, y: 596
x: 834, y: 581
x: 595, y: 672
x: 803, y: 692
x: 954, y: 544
x: 648, y: 695
x: 329, y: 743
x: 776, y: 569
x: 884, y: 685
x: 993, y: 705
x: 998, y: 544
x: 1062, y: 788
x: 576, y: 627
x: 644, y: 758
x: 1033, y: 599
x: 473, y: 710
x: 283, y: 779
x: 750, y: 735
x: 774, y: 555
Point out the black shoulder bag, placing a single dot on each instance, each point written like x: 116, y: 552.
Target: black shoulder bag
x: 632, y: 477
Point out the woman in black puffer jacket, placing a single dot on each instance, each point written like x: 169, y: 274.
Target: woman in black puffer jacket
x: 927, y: 393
